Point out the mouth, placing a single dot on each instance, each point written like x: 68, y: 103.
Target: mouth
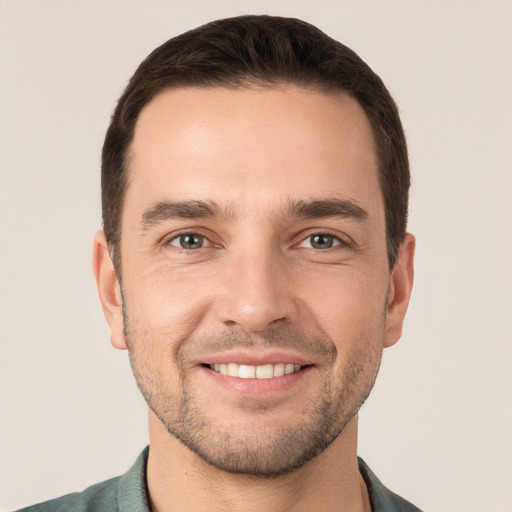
x: 257, y: 375
x: 265, y: 371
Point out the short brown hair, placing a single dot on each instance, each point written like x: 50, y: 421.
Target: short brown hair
x: 264, y: 51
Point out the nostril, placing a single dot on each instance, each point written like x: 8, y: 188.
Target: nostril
x: 255, y: 312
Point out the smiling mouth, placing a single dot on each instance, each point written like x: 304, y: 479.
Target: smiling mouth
x: 265, y: 371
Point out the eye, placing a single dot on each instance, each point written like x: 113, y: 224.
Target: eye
x: 320, y: 241
x: 189, y: 241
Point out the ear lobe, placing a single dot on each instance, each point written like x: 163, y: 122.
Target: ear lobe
x: 400, y: 288
x: 109, y: 289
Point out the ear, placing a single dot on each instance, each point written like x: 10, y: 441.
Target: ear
x: 400, y: 288
x: 109, y: 289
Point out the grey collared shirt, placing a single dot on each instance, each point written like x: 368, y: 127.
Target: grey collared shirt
x: 128, y: 493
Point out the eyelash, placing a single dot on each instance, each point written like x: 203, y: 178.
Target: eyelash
x: 340, y: 242
x: 196, y: 232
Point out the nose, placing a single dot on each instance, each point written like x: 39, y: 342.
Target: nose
x: 257, y: 292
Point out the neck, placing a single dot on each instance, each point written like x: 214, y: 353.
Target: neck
x: 179, y: 480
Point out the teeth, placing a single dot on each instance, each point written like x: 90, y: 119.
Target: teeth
x: 289, y: 368
x: 245, y: 371
x: 265, y: 372
x: 233, y: 370
x: 278, y: 370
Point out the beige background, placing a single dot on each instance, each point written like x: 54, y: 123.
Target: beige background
x: 438, y: 427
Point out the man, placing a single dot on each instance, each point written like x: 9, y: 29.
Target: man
x: 255, y: 263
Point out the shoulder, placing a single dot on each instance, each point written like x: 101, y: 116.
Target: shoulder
x: 381, y: 498
x: 99, y: 497
x: 126, y: 492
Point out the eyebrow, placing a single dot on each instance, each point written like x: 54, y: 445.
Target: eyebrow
x: 324, y: 208
x: 168, y: 210
x: 310, y: 209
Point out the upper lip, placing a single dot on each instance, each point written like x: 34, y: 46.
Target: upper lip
x: 254, y: 358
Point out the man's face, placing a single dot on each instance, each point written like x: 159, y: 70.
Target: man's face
x: 255, y: 277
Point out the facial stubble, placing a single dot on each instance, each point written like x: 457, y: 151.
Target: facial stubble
x: 259, y: 447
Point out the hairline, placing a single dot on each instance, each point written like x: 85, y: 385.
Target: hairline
x: 249, y: 82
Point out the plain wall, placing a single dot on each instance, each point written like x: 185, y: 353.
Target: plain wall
x: 437, y: 428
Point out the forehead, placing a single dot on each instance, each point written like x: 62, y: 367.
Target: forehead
x: 251, y: 147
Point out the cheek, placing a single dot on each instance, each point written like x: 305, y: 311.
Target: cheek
x: 347, y: 303
x: 166, y: 303
x: 155, y: 329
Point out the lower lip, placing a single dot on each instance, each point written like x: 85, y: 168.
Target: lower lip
x: 257, y: 387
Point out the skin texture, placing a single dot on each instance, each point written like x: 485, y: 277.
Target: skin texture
x: 272, y: 168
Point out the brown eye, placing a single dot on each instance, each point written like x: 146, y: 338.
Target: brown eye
x: 189, y: 241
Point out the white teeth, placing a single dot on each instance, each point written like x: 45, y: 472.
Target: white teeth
x: 289, y: 368
x: 279, y: 370
x: 245, y: 371
x: 233, y: 369
x: 265, y: 372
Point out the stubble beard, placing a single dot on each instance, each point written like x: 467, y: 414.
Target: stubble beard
x: 253, y: 450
